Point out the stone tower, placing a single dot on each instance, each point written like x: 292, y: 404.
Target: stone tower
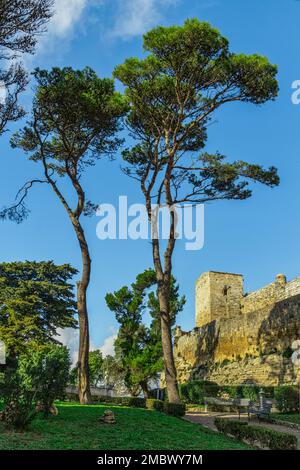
x: 218, y: 295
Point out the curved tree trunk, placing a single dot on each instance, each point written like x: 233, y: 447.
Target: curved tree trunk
x: 163, y: 282
x: 167, y: 346
x: 84, y: 338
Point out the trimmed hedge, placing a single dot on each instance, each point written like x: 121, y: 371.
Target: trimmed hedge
x: 196, y: 390
x: 287, y: 398
x: 135, y: 402
x: 174, y: 409
x: 154, y: 404
x: 257, y: 435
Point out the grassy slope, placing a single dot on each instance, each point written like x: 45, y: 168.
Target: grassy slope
x: 78, y: 427
x: 291, y: 417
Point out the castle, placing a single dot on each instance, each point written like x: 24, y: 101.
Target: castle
x: 241, y: 338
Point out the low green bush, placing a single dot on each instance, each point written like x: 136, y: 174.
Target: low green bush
x: 32, y: 383
x: 174, y: 409
x: 196, y: 390
x: 134, y: 402
x: 257, y: 435
x: 154, y: 404
x: 287, y: 398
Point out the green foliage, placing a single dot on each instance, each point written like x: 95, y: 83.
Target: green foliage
x: 138, y: 347
x: 188, y: 74
x: 250, y: 392
x: 196, y: 390
x: 36, y: 298
x: 154, y: 404
x: 74, y: 121
x: 134, y: 402
x: 21, y: 23
x: 47, y: 373
x: 287, y: 398
x: 96, y: 369
x: 19, y: 399
x: 34, y: 379
x: 174, y: 409
x: 267, y: 438
x: 73, y: 109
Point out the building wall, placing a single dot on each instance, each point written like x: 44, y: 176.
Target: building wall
x: 247, y: 343
x: 218, y: 295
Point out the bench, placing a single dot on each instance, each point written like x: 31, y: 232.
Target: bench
x: 260, y: 411
x: 217, y: 402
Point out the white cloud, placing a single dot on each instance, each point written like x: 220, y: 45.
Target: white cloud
x: 67, y: 14
x: 69, y: 337
x: 107, y: 347
x: 134, y: 17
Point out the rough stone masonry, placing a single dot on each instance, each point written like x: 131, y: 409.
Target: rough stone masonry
x: 241, y: 338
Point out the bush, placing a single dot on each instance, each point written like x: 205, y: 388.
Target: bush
x: 287, y: 398
x: 266, y: 438
x: 154, y: 404
x: 135, y: 402
x: 18, y: 399
x: 35, y: 379
x: 250, y: 392
x: 46, y: 372
x: 174, y: 409
x: 196, y: 390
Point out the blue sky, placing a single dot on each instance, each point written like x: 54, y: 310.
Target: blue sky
x: 258, y: 237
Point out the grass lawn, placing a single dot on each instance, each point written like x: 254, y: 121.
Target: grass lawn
x: 291, y: 417
x: 78, y: 427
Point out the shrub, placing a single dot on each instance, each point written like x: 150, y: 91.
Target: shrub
x: 46, y: 372
x: 174, y: 409
x: 250, y: 392
x: 154, y: 404
x: 287, y: 398
x: 135, y: 402
x: 196, y: 390
x: 35, y: 379
x: 266, y: 438
x: 18, y: 399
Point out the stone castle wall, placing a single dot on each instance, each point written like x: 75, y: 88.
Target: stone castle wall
x: 246, y: 344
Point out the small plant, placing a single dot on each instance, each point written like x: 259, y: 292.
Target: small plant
x: 196, y: 390
x: 154, y: 404
x: 174, y: 409
x: 19, y: 400
x: 134, y: 402
x: 287, y: 398
x: 257, y: 435
x: 47, y: 372
x: 32, y: 383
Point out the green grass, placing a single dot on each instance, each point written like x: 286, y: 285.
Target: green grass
x: 291, y: 417
x: 78, y: 427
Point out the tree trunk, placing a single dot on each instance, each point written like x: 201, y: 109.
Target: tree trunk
x: 145, y: 389
x: 84, y: 391
x: 167, y: 346
x: 163, y: 284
